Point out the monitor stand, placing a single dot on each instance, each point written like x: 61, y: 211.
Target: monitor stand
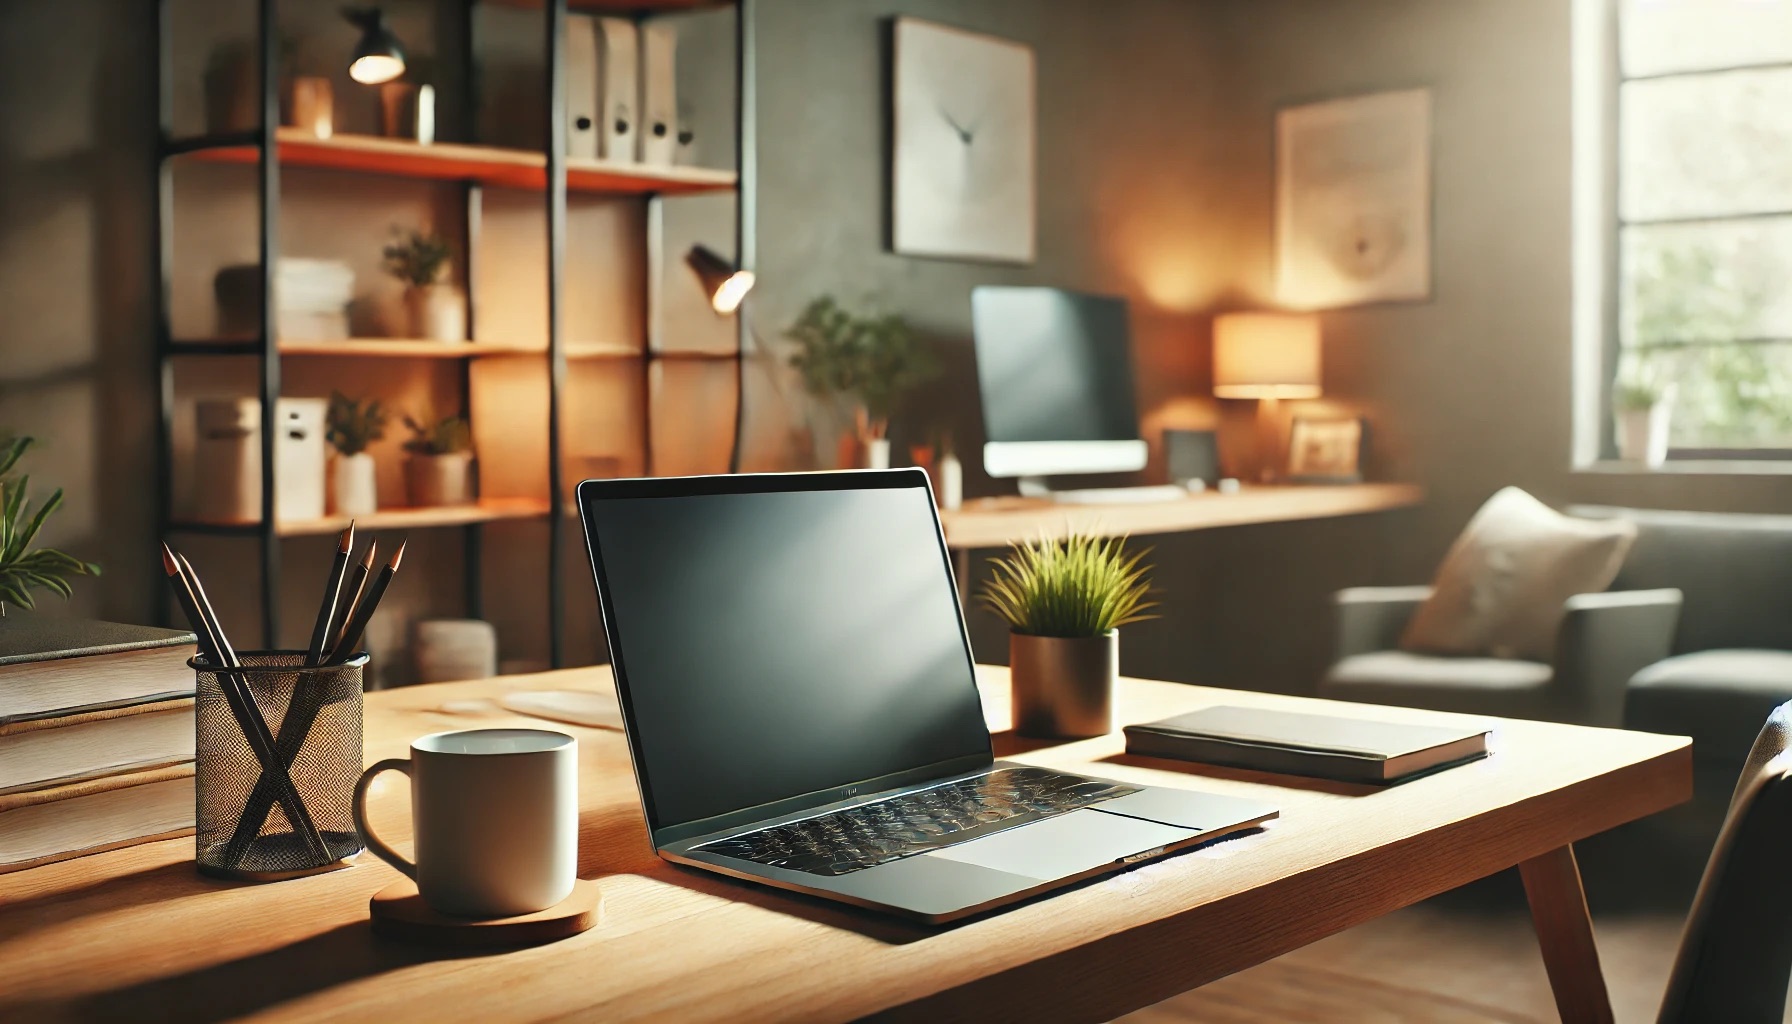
x: 1036, y: 487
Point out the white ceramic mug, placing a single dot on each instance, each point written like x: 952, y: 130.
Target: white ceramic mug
x: 495, y: 813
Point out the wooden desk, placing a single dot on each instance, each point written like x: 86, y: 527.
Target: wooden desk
x: 136, y: 933
x: 998, y: 522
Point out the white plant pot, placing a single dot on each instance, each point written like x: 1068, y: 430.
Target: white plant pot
x: 355, y: 485
x: 1643, y: 434
x: 436, y: 313
x: 877, y: 453
x: 433, y: 481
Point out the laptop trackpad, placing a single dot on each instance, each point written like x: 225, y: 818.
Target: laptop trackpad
x: 1065, y: 845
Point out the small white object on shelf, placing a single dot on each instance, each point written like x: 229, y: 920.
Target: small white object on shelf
x: 659, y: 95
x: 950, y: 484
x: 227, y: 457
x: 620, y: 113
x: 582, y: 49
x: 356, y: 491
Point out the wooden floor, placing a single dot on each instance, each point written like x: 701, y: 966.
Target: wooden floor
x: 1469, y: 956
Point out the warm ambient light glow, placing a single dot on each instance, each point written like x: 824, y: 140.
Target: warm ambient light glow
x: 1266, y: 355
x: 375, y: 68
x: 733, y: 292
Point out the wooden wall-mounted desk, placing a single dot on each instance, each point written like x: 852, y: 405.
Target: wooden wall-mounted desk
x: 998, y: 522
x: 137, y: 933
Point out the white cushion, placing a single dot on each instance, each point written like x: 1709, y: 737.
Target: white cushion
x: 1500, y: 590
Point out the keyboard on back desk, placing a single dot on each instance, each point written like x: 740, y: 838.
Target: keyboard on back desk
x: 902, y: 826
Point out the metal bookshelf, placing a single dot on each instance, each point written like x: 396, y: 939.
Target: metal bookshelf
x: 550, y: 171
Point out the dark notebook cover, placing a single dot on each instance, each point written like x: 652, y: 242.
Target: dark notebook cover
x: 27, y: 638
x: 1293, y: 743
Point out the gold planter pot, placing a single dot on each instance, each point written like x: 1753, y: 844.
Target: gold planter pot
x: 1064, y: 686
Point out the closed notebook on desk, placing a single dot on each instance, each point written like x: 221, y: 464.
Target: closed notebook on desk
x: 1347, y: 749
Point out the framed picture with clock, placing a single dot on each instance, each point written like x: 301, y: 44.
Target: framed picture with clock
x: 962, y: 179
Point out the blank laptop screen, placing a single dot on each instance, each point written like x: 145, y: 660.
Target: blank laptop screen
x: 784, y: 643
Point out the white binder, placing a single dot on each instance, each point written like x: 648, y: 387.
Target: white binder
x: 582, y: 128
x: 659, y: 96
x: 621, y: 114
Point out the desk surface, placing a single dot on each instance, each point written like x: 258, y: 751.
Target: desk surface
x: 137, y: 931
x: 998, y: 522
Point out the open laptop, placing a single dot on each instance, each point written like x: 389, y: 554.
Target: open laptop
x: 797, y: 688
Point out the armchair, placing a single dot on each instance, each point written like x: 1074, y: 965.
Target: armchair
x: 1603, y: 640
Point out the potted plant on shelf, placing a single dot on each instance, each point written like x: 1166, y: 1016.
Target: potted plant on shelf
x: 1064, y: 601
x: 438, y: 469
x: 22, y: 567
x: 871, y: 362
x: 418, y: 260
x: 1642, y: 408
x: 353, y: 424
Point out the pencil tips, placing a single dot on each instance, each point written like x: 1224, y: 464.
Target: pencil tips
x: 347, y: 543
x: 367, y: 559
x: 398, y: 555
x: 169, y: 565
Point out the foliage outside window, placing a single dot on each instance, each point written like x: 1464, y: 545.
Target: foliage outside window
x: 1704, y: 256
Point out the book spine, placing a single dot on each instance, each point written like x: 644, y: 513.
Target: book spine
x: 1279, y: 760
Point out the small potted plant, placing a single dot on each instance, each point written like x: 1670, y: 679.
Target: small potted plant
x: 438, y: 468
x: 353, y: 425
x: 22, y: 567
x: 1064, y: 601
x: 871, y: 362
x: 419, y: 260
x: 1642, y: 410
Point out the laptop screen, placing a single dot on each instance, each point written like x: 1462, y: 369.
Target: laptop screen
x: 782, y: 641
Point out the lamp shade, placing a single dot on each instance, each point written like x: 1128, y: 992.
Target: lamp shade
x: 1266, y: 355
x: 725, y: 284
x: 378, y: 57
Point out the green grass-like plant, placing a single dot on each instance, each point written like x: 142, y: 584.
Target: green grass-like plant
x: 22, y: 568
x: 416, y: 257
x: 444, y: 436
x: 1079, y: 586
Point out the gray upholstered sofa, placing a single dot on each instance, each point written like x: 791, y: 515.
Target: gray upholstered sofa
x: 1730, y: 663
x: 1604, y: 639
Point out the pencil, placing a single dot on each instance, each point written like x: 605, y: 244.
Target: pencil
x: 191, y: 595
x: 356, y: 586
x: 364, y: 609
x: 326, y: 610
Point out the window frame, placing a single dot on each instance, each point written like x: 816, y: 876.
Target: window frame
x: 1613, y: 225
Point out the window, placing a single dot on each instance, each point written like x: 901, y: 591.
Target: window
x: 1703, y: 257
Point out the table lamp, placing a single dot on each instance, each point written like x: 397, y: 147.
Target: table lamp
x: 1269, y: 357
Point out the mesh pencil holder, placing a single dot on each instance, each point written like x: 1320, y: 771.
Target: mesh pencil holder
x: 280, y: 806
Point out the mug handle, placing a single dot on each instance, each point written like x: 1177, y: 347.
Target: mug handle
x: 374, y: 843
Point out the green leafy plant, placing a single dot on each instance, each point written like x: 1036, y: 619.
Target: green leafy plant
x: 1079, y: 586
x: 416, y: 258
x: 445, y: 436
x: 1639, y: 386
x: 354, y: 423
x: 22, y: 567
x: 873, y: 360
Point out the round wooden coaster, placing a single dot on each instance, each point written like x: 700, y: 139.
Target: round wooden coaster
x: 400, y: 913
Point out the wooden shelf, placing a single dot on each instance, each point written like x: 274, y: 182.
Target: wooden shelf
x: 488, y: 510
x: 404, y: 348
x: 490, y: 165
x: 624, y: 6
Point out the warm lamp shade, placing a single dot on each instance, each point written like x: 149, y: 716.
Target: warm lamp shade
x: 378, y: 56
x: 723, y: 283
x: 1266, y: 355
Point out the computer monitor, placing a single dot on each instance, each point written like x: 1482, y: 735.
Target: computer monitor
x: 1055, y: 370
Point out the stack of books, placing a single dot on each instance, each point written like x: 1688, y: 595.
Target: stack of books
x: 96, y: 738
x: 312, y: 299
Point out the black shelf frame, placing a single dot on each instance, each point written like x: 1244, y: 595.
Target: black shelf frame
x: 265, y: 347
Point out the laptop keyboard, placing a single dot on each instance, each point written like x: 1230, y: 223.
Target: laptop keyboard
x: 902, y: 826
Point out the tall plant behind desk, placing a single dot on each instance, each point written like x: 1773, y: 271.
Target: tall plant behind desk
x: 509, y: 365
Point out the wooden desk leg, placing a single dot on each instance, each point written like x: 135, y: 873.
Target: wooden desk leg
x: 1565, y: 932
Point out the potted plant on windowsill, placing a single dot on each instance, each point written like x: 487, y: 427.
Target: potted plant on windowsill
x: 419, y: 261
x: 1064, y: 601
x: 438, y: 468
x: 868, y: 362
x: 352, y: 425
x: 1642, y: 410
